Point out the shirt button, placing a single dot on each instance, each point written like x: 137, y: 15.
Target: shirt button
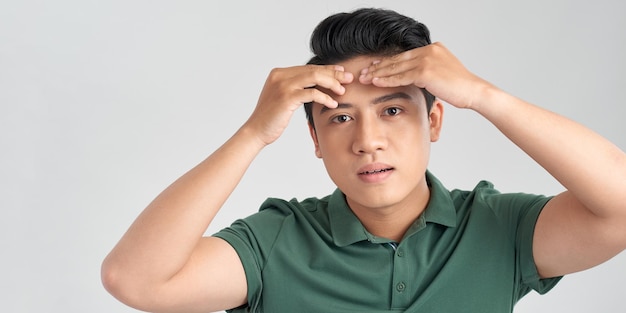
x: 400, y: 253
x: 400, y: 287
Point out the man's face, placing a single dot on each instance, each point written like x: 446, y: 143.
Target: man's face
x: 376, y: 144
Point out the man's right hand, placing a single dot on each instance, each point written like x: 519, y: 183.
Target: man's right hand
x: 286, y: 89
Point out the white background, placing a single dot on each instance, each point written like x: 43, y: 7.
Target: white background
x: 104, y: 103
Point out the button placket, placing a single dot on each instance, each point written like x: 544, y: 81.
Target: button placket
x: 400, y: 290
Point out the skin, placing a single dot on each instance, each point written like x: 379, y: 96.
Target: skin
x: 375, y: 147
x: 163, y: 264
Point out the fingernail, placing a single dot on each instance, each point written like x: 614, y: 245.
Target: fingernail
x: 364, y: 71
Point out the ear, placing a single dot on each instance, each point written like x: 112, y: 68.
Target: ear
x: 435, y: 117
x: 318, y: 153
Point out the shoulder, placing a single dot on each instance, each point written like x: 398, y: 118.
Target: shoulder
x: 287, y: 207
x: 276, y: 215
x: 485, y: 205
x: 486, y: 195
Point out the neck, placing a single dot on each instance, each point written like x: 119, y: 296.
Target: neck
x: 393, y: 221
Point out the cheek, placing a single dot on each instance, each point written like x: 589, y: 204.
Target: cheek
x: 414, y: 141
x: 330, y: 152
x: 334, y: 151
x: 331, y: 142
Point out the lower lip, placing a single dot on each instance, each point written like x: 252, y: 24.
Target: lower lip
x: 375, y: 178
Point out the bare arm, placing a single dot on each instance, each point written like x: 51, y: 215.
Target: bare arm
x: 153, y: 261
x: 585, y: 225
x: 162, y: 263
x: 580, y: 228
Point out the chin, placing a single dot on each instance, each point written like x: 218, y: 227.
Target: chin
x: 375, y: 198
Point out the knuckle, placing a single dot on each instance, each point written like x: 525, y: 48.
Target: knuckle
x: 339, y: 75
x: 320, y: 97
x: 276, y: 71
x: 315, y: 71
x: 312, y: 93
x: 436, y: 49
x: 275, y: 74
x: 317, y: 74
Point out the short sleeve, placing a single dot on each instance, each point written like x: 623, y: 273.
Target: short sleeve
x: 524, y: 240
x: 521, y: 211
x: 253, y: 239
x: 235, y: 235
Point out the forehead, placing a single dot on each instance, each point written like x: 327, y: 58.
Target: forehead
x: 363, y: 94
x: 356, y: 64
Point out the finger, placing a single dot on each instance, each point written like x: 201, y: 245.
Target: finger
x: 316, y: 95
x: 328, y: 77
x: 388, y: 66
x: 379, y: 68
x: 400, y: 74
x: 397, y: 80
x: 342, y: 76
x: 389, y: 69
x: 366, y: 75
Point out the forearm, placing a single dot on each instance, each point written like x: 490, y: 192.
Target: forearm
x: 588, y: 165
x: 160, y: 241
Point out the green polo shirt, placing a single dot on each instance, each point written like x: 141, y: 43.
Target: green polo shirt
x: 470, y: 251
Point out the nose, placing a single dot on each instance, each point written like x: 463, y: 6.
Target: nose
x: 369, y: 136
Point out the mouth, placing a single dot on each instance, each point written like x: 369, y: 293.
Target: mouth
x: 374, y: 168
x: 376, y: 171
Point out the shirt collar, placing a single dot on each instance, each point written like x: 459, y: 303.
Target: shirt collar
x: 347, y: 229
x: 440, y: 208
x: 344, y: 225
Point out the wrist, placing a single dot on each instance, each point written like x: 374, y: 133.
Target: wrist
x: 251, y: 136
x: 488, y: 97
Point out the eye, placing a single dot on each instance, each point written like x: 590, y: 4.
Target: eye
x: 340, y: 119
x: 392, y: 111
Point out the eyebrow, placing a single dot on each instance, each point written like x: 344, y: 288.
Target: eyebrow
x: 381, y: 99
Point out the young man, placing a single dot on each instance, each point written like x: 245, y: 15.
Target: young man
x: 391, y: 237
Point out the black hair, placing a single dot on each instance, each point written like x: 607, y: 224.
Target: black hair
x: 367, y: 31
